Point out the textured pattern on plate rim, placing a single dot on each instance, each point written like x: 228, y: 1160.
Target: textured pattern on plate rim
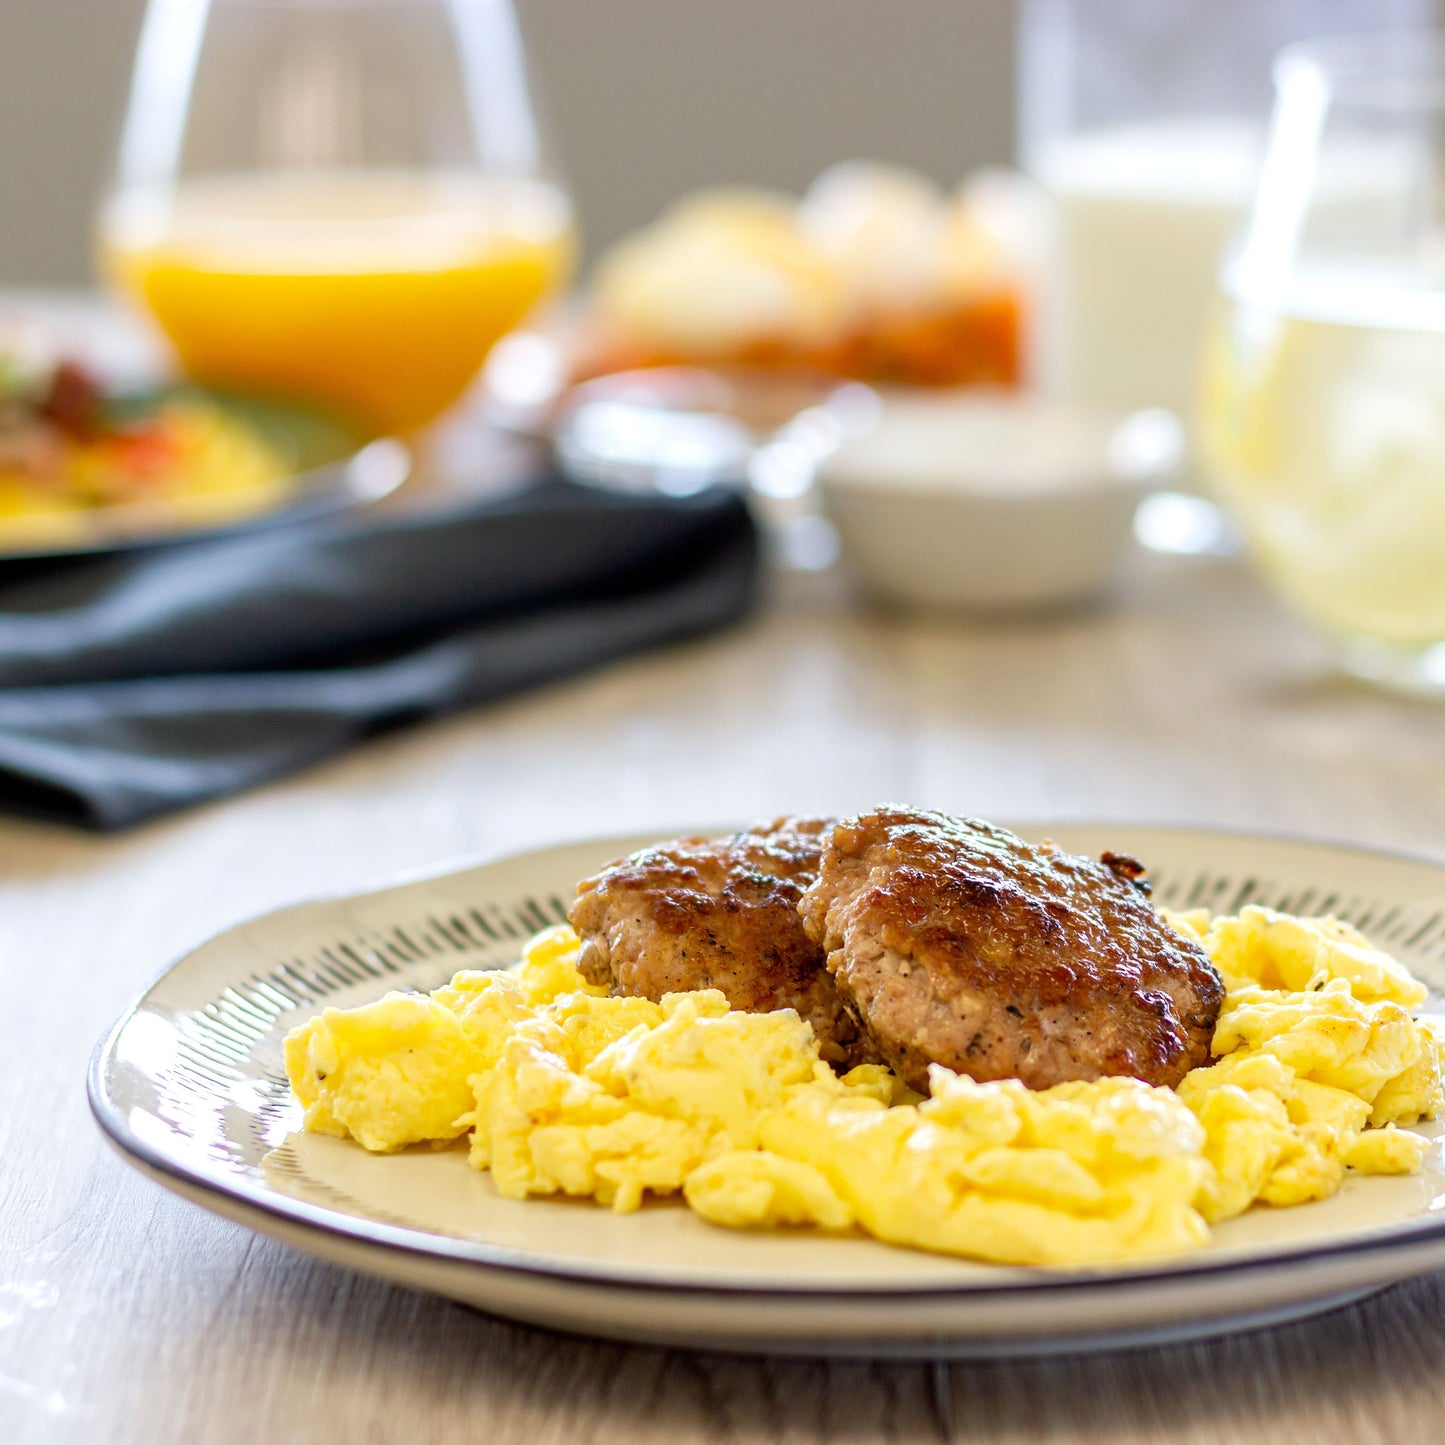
x: 227, y: 1091
x: 229, y: 1049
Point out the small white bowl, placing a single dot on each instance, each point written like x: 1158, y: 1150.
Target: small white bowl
x: 951, y: 501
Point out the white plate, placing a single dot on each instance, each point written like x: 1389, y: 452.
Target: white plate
x: 189, y: 1086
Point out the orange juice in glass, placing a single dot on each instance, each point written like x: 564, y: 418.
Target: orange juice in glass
x: 374, y: 295
x: 339, y: 202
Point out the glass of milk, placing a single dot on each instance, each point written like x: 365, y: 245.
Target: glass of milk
x: 1322, y: 422
x: 1142, y: 121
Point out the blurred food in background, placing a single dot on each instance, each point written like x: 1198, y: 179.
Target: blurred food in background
x: 89, y: 463
x: 876, y: 274
x: 67, y: 448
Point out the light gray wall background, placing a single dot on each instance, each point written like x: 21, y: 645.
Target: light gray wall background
x: 647, y: 99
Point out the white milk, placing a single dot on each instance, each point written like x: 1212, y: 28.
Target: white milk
x: 1142, y: 214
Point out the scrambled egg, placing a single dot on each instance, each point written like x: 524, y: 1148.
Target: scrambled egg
x: 1315, y: 1043
x: 565, y: 1090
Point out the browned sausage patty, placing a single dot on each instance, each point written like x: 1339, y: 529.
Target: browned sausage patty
x: 718, y: 913
x: 961, y: 944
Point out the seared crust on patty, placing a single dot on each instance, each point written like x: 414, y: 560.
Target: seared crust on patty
x: 961, y: 944
x: 719, y: 913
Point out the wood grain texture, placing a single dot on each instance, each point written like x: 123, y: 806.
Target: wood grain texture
x: 128, y: 1316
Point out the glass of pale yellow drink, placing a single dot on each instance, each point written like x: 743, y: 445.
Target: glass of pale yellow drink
x: 1323, y: 395
x: 339, y: 202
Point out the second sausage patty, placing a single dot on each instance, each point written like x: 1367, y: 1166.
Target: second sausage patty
x: 961, y: 944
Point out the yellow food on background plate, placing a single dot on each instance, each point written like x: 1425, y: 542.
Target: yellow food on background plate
x: 565, y: 1090
x: 70, y: 449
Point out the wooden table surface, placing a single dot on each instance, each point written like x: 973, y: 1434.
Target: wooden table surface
x: 127, y: 1315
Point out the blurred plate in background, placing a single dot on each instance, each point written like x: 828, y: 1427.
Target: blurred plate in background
x: 325, y: 468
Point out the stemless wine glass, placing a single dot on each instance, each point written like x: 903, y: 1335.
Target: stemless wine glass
x: 344, y: 202
x: 1323, y: 403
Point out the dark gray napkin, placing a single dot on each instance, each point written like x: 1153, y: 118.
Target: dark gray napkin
x: 133, y: 685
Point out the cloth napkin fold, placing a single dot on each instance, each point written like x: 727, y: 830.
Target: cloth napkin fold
x: 131, y: 685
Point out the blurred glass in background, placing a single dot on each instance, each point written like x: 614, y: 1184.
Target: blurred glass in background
x: 1323, y: 419
x: 342, y: 202
x: 1142, y: 120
